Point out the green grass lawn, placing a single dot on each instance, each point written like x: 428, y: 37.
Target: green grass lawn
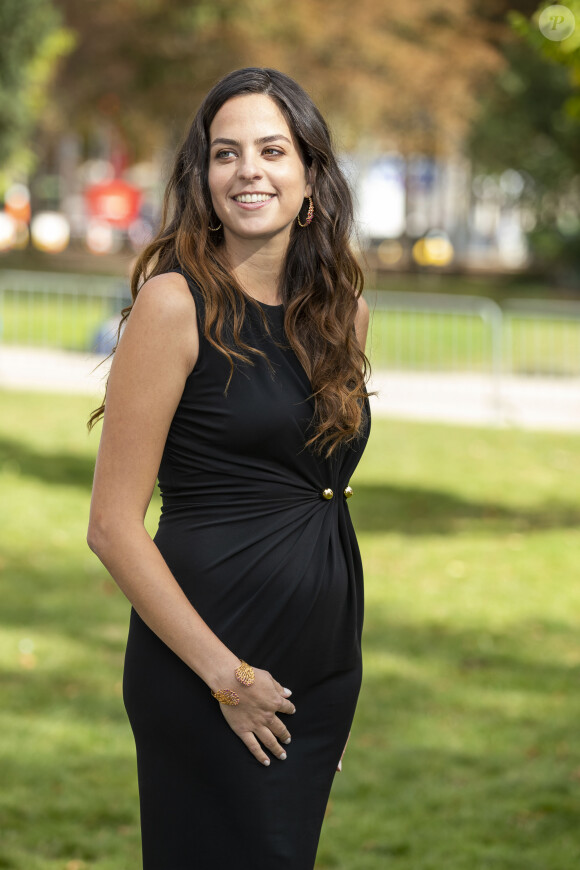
x: 464, y: 753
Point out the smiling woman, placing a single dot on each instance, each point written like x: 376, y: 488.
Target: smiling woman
x: 239, y: 382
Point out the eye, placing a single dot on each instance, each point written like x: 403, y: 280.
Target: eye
x: 273, y: 152
x: 224, y: 154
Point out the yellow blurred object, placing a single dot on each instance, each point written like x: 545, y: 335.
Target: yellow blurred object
x: 434, y: 249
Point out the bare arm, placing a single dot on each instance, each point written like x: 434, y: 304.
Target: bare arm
x: 157, y: 351
x: 361, y: 322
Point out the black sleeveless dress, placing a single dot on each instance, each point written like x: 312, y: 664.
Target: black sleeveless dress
x: 274, y: 569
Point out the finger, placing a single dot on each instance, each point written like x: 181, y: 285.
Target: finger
x: 284, y: 692
x: 279, y: 730
x: 255, y: 748
x: 286, y: 707
x: 270, y: 742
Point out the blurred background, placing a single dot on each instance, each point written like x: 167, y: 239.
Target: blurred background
x: 458, y: 125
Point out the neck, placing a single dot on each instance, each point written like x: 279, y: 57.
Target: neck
x: 257, y: 265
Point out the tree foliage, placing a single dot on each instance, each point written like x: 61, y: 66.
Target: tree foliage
x: 385, y: 74
x: 530, y: 120
x: 31, y: 41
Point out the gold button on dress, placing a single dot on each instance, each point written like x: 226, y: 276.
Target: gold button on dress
x: 327, y: 493
x: 348, y: 491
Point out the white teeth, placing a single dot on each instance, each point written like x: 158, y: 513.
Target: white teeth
x: 253, y: 197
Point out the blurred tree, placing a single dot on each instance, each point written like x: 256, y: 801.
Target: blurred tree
x: 383, y: 73
x: 141, y: 66
x: 386, y: 74
x: 31, y: 41
x: 530, y: 120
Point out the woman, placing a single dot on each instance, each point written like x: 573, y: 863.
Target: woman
x: 239, y: 381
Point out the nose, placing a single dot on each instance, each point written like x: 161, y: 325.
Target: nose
x: 248, y: 166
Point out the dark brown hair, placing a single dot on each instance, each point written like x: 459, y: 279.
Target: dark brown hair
x: 321, y: 279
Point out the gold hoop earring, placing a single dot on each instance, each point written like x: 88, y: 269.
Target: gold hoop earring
x: 215, y: 229
x: 309, y: 215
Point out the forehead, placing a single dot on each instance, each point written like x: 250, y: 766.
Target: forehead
x: 251, y: 115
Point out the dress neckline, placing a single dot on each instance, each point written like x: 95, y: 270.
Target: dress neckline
x: 264, y: 304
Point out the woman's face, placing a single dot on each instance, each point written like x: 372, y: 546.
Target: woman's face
x: 256, y: 175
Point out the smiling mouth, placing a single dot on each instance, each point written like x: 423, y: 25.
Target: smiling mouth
x: 253, y: 197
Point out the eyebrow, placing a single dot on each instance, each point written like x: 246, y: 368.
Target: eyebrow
x: 263, y: 141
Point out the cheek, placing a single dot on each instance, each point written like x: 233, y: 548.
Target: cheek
x: 295, y: 183
x: 217, y: 180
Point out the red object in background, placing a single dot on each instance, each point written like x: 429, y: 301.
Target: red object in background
x: 114, y: 201
x: 19, y: 211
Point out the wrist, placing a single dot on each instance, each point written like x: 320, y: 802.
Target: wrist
x: 223, y: 673
x: 236, y: 680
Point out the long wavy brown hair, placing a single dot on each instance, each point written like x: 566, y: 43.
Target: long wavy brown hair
x: 321, y: 279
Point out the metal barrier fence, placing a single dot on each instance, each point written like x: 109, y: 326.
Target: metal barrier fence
x: 62, y: 311
x: 435, y: 332
x: 542, y: 337
x: 426, y: 332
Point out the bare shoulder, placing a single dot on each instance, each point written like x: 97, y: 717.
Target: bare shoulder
x: 164, y: 311
x: 363, y: 310
x: 361, y: 321
x: 167, y: 295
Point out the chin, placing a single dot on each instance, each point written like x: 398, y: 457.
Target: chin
x: 264, y: 232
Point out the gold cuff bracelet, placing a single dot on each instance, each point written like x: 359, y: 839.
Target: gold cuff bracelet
x: 227, y: 696
x: 244, y: 675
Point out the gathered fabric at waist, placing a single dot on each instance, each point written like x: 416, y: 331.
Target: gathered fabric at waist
x: 257, y: 497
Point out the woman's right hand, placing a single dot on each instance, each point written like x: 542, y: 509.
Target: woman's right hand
x: 254, y: 719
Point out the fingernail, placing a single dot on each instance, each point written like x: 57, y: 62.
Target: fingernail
x: 282, y: 757
x: 287, y: 692
x: 287, y: 741
x: 266, y: 762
